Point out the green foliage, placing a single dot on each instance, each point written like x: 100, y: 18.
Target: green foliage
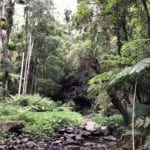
x: 80, y: 53
x: 98, y: 94
x: 136, y: 50
x: 11, y: 46
x: 6, y: 65
x: 146, y: 145
x: 110, y: 5
x: 48, y: 56
x: 131, y: 72
x: 34, y: 102
x: 40, y: 115
x: 143, y: 123
x: 7, y: 109
x: 42, y: 124
x: 14, y: 77
x: 106, y: 76
x: 112, y: 121
x: 47, y: 121
x: 83, y: 13
x: 99, y: 83
x: 48, y: 86
x: 142, y: 110
x: 115, y: 60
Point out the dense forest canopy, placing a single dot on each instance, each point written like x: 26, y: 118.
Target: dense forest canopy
x: 97, y: 61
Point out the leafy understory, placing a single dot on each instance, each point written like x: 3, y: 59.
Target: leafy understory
x: 97, y: 61
x: 40, y: 115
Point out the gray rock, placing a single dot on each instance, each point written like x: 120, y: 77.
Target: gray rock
x: 105, y: 130
x: 91, y: 126
x: 31, y: 144
x: 110, y: 138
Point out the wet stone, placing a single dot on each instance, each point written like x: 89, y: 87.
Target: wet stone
x: 31, y: 144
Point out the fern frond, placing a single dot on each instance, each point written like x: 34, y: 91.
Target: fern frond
x: 132, y: 71
x: 106, y: 76
x: 136, y: 50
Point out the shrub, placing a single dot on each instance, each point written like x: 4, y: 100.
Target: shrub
x: 6, y: 109
x: 42, y: 124
x: 112, y: 121
x: 34, y: 102
x: 11, y: 46
x: 40, y: 115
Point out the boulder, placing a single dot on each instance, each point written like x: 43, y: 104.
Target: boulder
x: 13, y: 126
x: 31, y: 144
x: 91, y: 126
x: 105, y: 130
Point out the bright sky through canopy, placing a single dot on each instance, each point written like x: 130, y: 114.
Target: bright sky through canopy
x: 61, y: 5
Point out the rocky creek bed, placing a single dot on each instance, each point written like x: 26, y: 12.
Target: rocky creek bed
x: 66, y: 138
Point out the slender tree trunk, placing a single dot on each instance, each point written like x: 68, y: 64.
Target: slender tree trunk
x: 28, y: 68
x: 145, y: 5
x: 124, y: 25
x: 25, y: 71
x: 119, y: 43
x: 27, y: 65
x: 6, y: 80
x: 35, y: 78
x: 118, y: 34
x: 3, y: 8
x: 21, y: 74
x: 133, y: 117
x: 124, y: 20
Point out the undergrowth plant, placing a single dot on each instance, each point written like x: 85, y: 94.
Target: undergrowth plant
x: 115, y: 120
x: 143, y: 126
x: 39, y: 114
x: 34, y: 102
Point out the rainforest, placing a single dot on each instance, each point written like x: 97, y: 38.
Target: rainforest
x: 81, y: 82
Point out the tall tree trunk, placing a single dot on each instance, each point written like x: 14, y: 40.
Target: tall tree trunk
x: 21, y: 75
x: 145, y: 5
x: 116, y: 102
x: 27, y: 65
x: 3, y: 8
x: 124, y: 21
x: 25, y: 72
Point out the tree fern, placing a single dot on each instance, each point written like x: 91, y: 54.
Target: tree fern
x: 116, y: 60
x: 136, y: 50
x: 98, y: 84
x: 106, y: 76
x: 131, y: 72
